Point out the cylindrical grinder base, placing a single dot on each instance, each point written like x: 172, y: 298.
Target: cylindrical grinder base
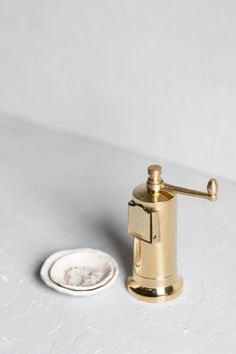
x: 155, y: 295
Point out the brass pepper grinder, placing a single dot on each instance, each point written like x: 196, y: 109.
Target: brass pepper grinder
x: 152, y: 223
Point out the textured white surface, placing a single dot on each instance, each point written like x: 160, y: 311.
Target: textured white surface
x: 153, y: 76
x: 59, y: 192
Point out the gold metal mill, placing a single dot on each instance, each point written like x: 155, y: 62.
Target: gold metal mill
x: 152, y: 223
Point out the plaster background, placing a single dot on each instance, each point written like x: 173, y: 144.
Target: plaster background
x: 156, y: 77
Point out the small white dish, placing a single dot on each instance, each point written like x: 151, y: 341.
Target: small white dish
x: 51, y: 260
x: 84, y: 269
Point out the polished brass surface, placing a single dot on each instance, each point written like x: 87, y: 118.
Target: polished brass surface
x: 152, y: 223
x: 212, y: 189
x: 154, y: 295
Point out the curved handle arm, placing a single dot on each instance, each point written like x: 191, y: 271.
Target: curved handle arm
x: 212, y: 189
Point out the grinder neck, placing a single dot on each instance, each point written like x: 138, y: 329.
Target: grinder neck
x: 156, y: 185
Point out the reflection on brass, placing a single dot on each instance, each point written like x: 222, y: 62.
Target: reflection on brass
x: 152, y: 223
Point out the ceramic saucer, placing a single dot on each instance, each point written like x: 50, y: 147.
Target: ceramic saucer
x: 79, y: 272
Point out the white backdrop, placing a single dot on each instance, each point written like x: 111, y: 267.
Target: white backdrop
x: 158, y: 77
